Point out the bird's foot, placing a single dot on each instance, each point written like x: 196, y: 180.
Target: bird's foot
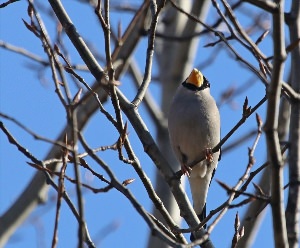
x: 209, y: 155
x: 186, y: 170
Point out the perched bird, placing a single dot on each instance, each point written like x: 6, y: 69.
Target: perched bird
x: 194, y: 129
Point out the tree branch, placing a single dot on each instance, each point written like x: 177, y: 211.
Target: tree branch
x: 271, y: 129
x: 49, y: 180
x: 293, y: 204
x: 36, y: 190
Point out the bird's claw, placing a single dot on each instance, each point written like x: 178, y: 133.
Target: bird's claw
x: 209, y: 155
x: 186, y: 170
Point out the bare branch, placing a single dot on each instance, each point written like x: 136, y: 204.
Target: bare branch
x: 222, y: 37
x: 238, y: 184
x: 293, y: 204
x: 26, y: 153
x: 271, y: 126
x: 23, y: 52
x: 2, y: 5
x: 149, y: 100
x: 119, y: 186
x: 150, y: 50
x: 37, y: 189
x: 61, y: 189
x: 238, y: 233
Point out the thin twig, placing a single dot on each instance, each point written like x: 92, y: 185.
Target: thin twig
x: 149, y: 101
x: 36, y: 188
x: 241, y: 180
x: 118, y: 186
x: 24, y: 52
x: 32, y: 133
x: 253, y: 47
x: 2, y: 5
x: 226, y: 205
x: 222, y: 37
x: 150, y: 51
x: 71, y: 115
x: 260, y: 74
x: 74, y: 181
x: 26, y: 153
x: 61, y: 189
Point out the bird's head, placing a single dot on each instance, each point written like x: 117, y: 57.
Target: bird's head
x: 195, y: 78
x: 196, y: 81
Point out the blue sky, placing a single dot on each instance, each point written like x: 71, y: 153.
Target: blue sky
x: 34, y: 103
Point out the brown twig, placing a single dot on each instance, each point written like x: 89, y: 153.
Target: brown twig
x: 24, y: 52
x: 241, y: 180
x: 257, y: 171
x: 74, y: 181
x: 252, y: 47
x: 32, y: 133
x: 61, y: 189
x: 237, y: 192
x: 150, y: 51
x: 26, y: 153
x: 238, y: 232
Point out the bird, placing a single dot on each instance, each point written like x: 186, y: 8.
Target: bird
x: 194, y: 129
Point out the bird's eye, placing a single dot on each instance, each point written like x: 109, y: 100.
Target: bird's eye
x: 206, y: 83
